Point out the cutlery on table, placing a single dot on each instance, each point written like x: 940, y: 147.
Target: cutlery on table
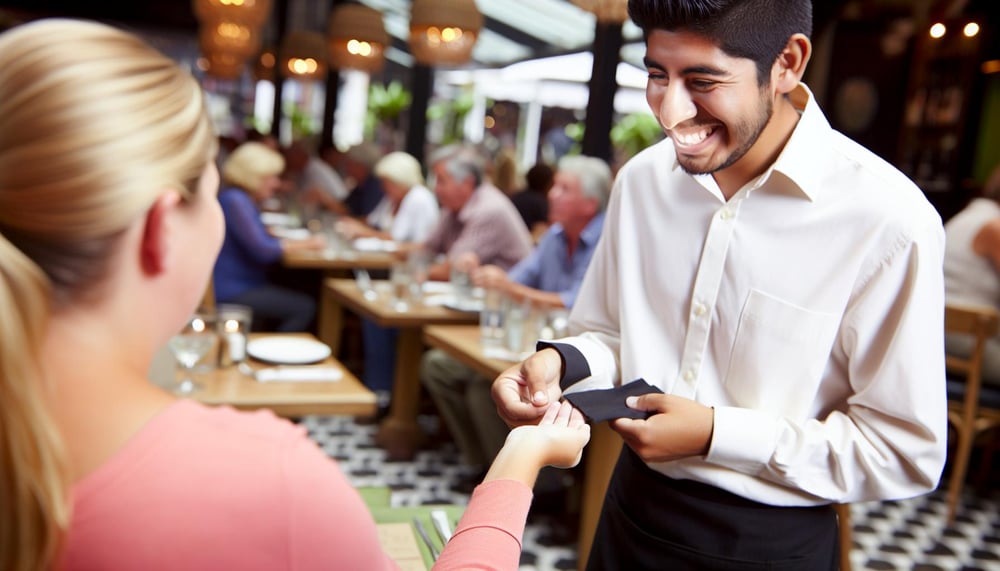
x: 440, y: 520
x: 426, y: 538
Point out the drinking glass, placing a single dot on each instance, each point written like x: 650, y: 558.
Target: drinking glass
x: 234, y: 327
x: 401, y: 281
x: 189, y: 346
x: 420, y: 264
x: 491, y: 333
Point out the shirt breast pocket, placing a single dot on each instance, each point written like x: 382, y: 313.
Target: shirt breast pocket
x: 779, y: 355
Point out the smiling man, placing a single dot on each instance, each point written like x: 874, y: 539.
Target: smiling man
x: 781, y: 284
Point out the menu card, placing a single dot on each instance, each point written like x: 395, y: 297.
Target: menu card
x: 400, y: 544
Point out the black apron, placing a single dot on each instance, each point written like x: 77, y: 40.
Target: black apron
x: 650, y: 521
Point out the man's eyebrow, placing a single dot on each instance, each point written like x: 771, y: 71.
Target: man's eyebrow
x: 693, y: 70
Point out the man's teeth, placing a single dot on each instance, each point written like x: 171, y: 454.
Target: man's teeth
x: 692, y: 138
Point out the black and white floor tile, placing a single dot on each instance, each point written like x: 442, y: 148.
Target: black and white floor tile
x: 909, y: 535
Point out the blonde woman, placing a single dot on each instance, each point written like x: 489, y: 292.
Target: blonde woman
x: 109, y: 227
x: 250, y: 176
x: 407, y: 213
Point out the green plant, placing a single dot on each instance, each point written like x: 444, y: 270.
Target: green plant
x: 635, y: 132
x: 385, y: 104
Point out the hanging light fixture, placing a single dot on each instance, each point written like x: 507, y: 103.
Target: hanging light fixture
x: 303, y: 55
x: 263, y: 69
x: 444, y: 31
x: 252, y: 12
x: 357, y: 38
x: 610, y: 11
x: 229, y: 37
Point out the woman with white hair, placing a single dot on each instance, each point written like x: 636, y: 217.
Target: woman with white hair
x: 407, y: 213
x: 250, y: 176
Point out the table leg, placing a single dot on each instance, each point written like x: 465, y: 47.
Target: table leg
x: 601, y: 456
x: 399, y: 433
x: 331, y: 320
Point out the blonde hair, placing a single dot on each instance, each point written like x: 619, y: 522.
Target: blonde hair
x: 401, y: 168
x: 250, y: 164
x: 94, y: 126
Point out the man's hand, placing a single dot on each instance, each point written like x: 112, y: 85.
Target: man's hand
x: 681, y: 428
x: 490, y: 277
x: 523, y: 392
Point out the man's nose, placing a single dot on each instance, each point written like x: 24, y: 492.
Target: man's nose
x: 676, y: 106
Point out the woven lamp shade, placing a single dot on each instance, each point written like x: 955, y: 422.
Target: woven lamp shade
x: 303, y: 55
x: 613, y: 11
x: 234, y: 38
x: 252, y: 12
x: 444, y: 31
x: 357, y: 38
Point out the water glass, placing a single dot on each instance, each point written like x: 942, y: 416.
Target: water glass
x: 233, y: 327
x: 515, y: 321
x: 461, y: 284
x: 491, y: 331
x: 189, y: 346
x: 401, y: 282
x: 420, y: 265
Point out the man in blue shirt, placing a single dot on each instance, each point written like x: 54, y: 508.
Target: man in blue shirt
x: 548, y: 277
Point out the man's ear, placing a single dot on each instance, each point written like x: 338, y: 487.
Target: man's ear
x: 788, y: 69
x: 156, y: 233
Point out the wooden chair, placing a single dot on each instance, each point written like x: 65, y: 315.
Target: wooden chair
x: 966, y: 412
x: 846, y: 535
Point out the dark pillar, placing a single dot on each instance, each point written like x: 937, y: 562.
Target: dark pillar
x: 603, y: 85
x: 421, y: 83
x: 329, y: 109
x: 330, y: 105
x: 280, y: 23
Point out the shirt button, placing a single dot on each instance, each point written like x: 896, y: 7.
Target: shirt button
x: 700, y: 309
x: 689, y: 375
x: 725, y: 214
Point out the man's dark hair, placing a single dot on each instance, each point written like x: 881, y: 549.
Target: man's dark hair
x: 753, y: 29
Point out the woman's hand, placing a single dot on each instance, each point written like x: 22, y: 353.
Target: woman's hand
x: 558, y: 439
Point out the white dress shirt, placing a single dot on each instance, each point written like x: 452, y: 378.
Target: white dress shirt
x: 807, y: 311
x: 417, y: 216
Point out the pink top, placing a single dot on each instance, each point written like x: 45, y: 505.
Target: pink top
x: 213, y: 488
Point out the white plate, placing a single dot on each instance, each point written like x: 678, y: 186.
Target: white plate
x: 278, y: 219
x: 374, y: 245
x: 448, y: 300
x: 287, y: 350
x: 291, y: 233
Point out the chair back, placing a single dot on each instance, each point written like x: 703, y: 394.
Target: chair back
x: 979, y: 323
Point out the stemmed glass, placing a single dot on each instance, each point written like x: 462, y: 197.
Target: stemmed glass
x: 188, y: 346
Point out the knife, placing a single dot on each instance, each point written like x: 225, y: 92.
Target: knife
x: 440, y: 520
x: 427, y: 540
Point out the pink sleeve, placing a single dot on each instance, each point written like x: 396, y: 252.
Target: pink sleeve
x: 489, y: 534
x: 329, y: 525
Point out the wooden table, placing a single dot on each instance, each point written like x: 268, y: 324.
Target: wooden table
x: 399, y: 433
x: 343, y: 261
x: 286, y: 398
x: 462, y: 343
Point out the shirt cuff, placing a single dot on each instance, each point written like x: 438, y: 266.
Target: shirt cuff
x: 743, y: 439
x: 575, y: 366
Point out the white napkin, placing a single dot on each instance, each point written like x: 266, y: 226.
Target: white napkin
x: 298, y: 374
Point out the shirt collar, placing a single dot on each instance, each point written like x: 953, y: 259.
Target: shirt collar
x: 800, y: 165
x: 590, y: 233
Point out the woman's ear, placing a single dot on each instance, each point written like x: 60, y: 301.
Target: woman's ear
x: 787, y: 71
x: 157, y: 233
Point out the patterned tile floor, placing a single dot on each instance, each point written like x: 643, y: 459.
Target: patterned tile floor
x: 895, y: 536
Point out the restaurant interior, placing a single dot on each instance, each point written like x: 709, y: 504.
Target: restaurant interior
x: 915, y: 81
